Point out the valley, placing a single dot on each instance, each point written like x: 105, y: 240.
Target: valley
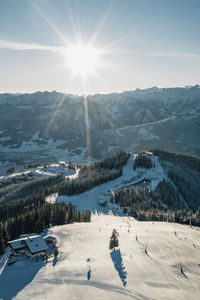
x: 51, y: 126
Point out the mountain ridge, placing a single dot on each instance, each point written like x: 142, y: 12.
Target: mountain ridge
x: 50, y: 125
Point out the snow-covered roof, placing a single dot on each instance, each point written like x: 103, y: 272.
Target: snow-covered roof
x: 23, y: 236
x: 36, y: 243
x: 17, y: 244
x: 49, y: 238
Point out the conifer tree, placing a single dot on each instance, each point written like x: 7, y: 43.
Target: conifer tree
x: 5, y: 233
x: 1, y: 240
x: 114, y: 240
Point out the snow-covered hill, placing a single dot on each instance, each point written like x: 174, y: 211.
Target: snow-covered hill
x: 91, y: 199
x: 87, y: 269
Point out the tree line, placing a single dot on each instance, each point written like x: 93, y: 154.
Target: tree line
x: 37, y: 219
x: 190, y: 161
x: 23, y: 208
x: 142, y: 160
x: 165, y: 202
x: 21, y: 187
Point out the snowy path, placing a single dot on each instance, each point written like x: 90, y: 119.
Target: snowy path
x: 51, y: 170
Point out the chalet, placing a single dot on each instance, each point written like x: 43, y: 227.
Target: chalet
x: 33, y: 243
x: 17, y: 245
x: 36, y: 244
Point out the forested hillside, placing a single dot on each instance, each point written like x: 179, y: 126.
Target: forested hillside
x: 176, y: 197
x: 159, y: 185
x: 22, y: 198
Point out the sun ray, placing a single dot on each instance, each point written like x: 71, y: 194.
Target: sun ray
x: 101, y: 24
x: 87, y: 128
x: 50, y: 23
x: 59, y: 105
x: 74, y: 22
x: 123, y: 38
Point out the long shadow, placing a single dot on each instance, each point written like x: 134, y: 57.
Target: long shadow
x: 15, y: 277
x: 55, y: 260
x: 89, y: 274
x: 148, y: 255
x: 118, y: 264
x: 184, y: 275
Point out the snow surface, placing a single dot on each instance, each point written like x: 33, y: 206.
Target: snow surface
x: 91, y: 199
x: 51, y: 198
x: 50, y: 170
x: 85, y: 267
x: 36, y: 243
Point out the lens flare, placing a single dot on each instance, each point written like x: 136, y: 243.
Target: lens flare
x: 82, y: 59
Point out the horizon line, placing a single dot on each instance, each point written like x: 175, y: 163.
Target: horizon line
x: 102, y: 93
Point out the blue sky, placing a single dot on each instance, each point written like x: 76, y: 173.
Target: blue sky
x: 144, y: 43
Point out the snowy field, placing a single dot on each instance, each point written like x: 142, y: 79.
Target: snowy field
x: 87, y: 269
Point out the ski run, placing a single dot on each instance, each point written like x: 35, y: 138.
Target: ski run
x: 154, y: 260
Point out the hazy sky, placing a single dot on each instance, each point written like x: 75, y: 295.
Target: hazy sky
x: 142, y: 43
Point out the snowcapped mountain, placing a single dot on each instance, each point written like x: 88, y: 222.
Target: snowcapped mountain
x: 48, y: 125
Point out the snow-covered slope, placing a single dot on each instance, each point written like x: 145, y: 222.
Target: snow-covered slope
x: 91, y: 199
x: 86, y: 269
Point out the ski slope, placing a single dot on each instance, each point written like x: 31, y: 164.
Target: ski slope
x: 91, y: 199
x: 87, y: 269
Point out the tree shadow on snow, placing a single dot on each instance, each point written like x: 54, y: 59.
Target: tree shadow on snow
x: 15, y: 278
x: 118, y: 264
x: 147, y: 254
x: 184, y: 275
x: 89, y: 274
x: 55, y: 260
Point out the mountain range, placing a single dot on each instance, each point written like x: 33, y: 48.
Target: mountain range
x: 50, y: 126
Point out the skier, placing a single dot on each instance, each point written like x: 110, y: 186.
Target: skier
x: 181, y: 268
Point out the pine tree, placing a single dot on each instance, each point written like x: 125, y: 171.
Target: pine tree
x: 1, y: 240
x: 5, y: 234
x: 56, y: 252
x: 114, y: 239
x: 71, y: 213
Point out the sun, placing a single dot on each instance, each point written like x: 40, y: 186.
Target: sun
x: 82, y: 59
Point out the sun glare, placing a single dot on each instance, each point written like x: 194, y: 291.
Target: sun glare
x: 82, y: 59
